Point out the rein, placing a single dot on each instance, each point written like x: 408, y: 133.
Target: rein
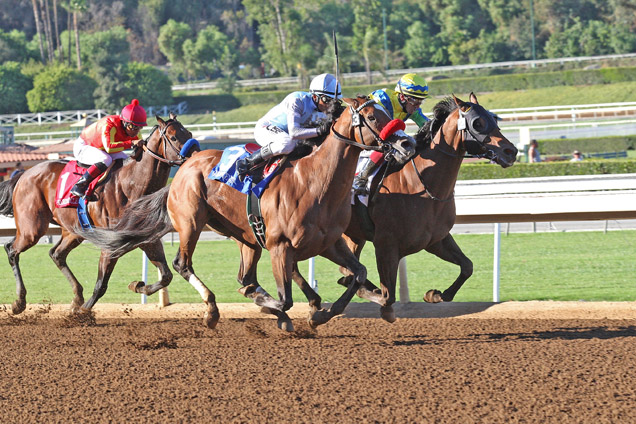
x: 166, y: 141
x: 357, y: 120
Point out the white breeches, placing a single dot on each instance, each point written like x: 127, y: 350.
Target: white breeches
x: 279, y: 141
x: 90, y: 155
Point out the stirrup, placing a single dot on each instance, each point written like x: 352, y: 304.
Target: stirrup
x: 360, y: 189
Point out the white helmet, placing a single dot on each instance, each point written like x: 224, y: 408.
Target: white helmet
x: 325, y: 84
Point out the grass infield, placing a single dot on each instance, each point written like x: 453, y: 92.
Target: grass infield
x: 592, y: 266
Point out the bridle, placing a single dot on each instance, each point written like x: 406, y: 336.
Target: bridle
x: 357, y: 121
x: 181, y: 154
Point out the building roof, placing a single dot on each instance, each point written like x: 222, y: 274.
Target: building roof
x: 10, y: 154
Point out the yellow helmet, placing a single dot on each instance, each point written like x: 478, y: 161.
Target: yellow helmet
x: 412, y: 85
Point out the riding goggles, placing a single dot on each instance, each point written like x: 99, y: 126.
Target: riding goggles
x: 133, y: 127
x: 413, y: 100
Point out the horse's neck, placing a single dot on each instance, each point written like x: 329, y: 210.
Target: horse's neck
x: 147, y: 176
x: 439, y: 167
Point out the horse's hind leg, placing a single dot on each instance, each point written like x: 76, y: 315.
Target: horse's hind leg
x: 154, y: 252
x: 282, y: 268
x: 448, y: 250
x: 106, y: 266
x: 247, y: 278
x: 183, y: 265
x: 58, y: 254
x: 20, y: 244
x: 340, y: 254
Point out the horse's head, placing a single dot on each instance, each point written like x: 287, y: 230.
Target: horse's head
x: 363, y: 122
x: 468, y: 127
x: 170, y: 142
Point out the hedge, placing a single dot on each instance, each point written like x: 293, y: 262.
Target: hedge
x: 482, y: 170
x: 587, y: 145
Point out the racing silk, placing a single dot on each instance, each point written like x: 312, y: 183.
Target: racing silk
x: 389, y: 99
x: 108, y: 134
x: 297, y: 115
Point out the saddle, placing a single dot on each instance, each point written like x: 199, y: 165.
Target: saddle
x: 71, y: 173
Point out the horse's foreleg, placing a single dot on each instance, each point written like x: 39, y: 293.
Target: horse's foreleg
x: 19, y: 305
x: 247, y: 278
x: 387, y: 260
x: 448, y: 250
x: 313, y: 298
x: 154, y: 252
x: 183, y: 265
x: 340, y: 254
x: 282, y: 266
x: 368, y: 290
x: 58, y: 254
x: 106, y: 266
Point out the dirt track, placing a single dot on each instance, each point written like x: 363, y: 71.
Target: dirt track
x: 513, y: 362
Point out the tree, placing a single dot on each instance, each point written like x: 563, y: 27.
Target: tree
x: 61, y: 88
x: 423, y: 47
x: 14, y: 47
x: 172, y: 38
x: 366, y: 34
x: 36, y: 16
x: 209, y: 52
x: 148, y: 84
x: 13, y: 88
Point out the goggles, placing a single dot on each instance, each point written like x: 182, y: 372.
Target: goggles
x: 326, y: 99
x: 413, y: 100
x: 133, y: 127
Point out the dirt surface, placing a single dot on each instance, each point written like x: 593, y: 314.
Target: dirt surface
x: 510, y: 362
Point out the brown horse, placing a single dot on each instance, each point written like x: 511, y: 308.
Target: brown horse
x: 305, y: 210
x: 414, y: 209
x: 30, y: 197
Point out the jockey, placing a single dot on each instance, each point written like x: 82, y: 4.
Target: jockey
x: 402, y: 103
x: 299, y: 116
x: 105, y: 140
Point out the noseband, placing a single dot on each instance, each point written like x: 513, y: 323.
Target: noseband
x: 166, y: 142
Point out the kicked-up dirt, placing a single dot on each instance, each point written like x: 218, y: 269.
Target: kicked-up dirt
x: 534, y: 365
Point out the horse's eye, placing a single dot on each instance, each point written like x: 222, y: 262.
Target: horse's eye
x: 173, y: 138
x: 478, y: 125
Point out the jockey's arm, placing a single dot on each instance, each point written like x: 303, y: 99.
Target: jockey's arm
x: 110, y: 142
x: 419, y: 118
x: 295, y: 126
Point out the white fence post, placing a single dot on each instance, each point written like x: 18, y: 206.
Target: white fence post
x: 404, y: 283
x: 495, y: 271
x: 312, y: 269
x: 144, y: 275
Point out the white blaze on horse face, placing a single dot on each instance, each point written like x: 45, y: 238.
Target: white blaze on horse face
x: 201, y: 288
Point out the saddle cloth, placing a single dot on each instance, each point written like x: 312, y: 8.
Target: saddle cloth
x: 71, y: 173
x: 225, y: 170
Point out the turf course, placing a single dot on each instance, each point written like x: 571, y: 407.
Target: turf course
x: 593, y: 266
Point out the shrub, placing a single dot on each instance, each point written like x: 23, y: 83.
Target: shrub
x: 61, y: 88
x: 480, y: 171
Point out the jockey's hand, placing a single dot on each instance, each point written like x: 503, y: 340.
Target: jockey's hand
x: 324, y: 128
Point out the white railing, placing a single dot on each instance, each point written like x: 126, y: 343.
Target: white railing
x: 399, y: 72
x: 77, y: 115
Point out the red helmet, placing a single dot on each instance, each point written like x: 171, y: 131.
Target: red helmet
x: 134, y: 113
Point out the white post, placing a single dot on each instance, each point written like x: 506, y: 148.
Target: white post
x: 495, y: 270
x: 404, y: 282
x: 312, y: 282
x: 144, y: 275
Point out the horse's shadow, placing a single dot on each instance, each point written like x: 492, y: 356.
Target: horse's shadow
x: 418, y: 309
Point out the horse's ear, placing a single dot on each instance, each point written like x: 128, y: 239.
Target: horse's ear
x: 458, y: 102
x: 473, y: 98
x: 173, y: 116
x: 161, y: 121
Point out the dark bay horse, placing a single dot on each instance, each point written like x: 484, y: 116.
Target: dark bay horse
x: 30, y: 198
x: 305, y: 210
x: 414, y: 209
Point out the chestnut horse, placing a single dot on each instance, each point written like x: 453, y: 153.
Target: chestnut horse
x: 414, y: 208
x: 30, y: 197
x: 305, y: 209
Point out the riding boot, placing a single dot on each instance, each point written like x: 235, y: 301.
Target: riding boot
x: 362, y: 178
x: 94, y: 171
x: 246, y: 164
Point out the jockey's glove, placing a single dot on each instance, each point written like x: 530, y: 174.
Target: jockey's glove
x: 324, y: 128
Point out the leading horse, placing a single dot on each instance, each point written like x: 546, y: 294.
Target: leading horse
x: 305, y: 210
x: 414, y: 208
x: 30, y: 198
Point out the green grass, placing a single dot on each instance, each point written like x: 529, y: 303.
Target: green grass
x: 592, y: 266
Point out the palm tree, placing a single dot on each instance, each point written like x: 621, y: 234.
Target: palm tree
x: 36, y: 15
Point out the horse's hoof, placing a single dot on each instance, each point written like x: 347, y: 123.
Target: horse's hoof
x: 75, y: 306
x: 269, y: 302
x: 285, y: 324
x: 211, y: 319
x: 319, y: 317
x: 18, y: 306
x: 136, y: 286
x: 433, y: 296
x: 387, y: 314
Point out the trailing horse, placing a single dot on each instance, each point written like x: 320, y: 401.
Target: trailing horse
x: 31, y: 196
x: 414, y: 208
x: 305, y: 210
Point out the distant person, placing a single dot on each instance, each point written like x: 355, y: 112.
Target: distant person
x: 17, y: 170
x: 576, y: 156
x: 533, y: 152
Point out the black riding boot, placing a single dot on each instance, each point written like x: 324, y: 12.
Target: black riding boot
x: 79, y: 189
x: 360, y: 181
x: 244, y: 165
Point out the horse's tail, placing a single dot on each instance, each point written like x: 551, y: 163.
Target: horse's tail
x: 6, y: 194
x: 142, y: 221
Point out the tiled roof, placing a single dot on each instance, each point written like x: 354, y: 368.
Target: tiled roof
x: 12, y: 153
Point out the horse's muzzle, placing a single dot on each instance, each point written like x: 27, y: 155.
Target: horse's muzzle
x: 403, y: 147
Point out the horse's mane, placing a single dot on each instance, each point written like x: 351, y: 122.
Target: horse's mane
x: 306, y: 146
x: 441, y: 111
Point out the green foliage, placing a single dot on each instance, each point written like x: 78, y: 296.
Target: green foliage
x: 61, y: 88
x: 148, y: 84
x: 587, y: 145
x: 13, y: 88
x: 172, y: 36
x: 14, y: 47
x: 207, y: 54
x: 105, y: 50
x: 478, y: 171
